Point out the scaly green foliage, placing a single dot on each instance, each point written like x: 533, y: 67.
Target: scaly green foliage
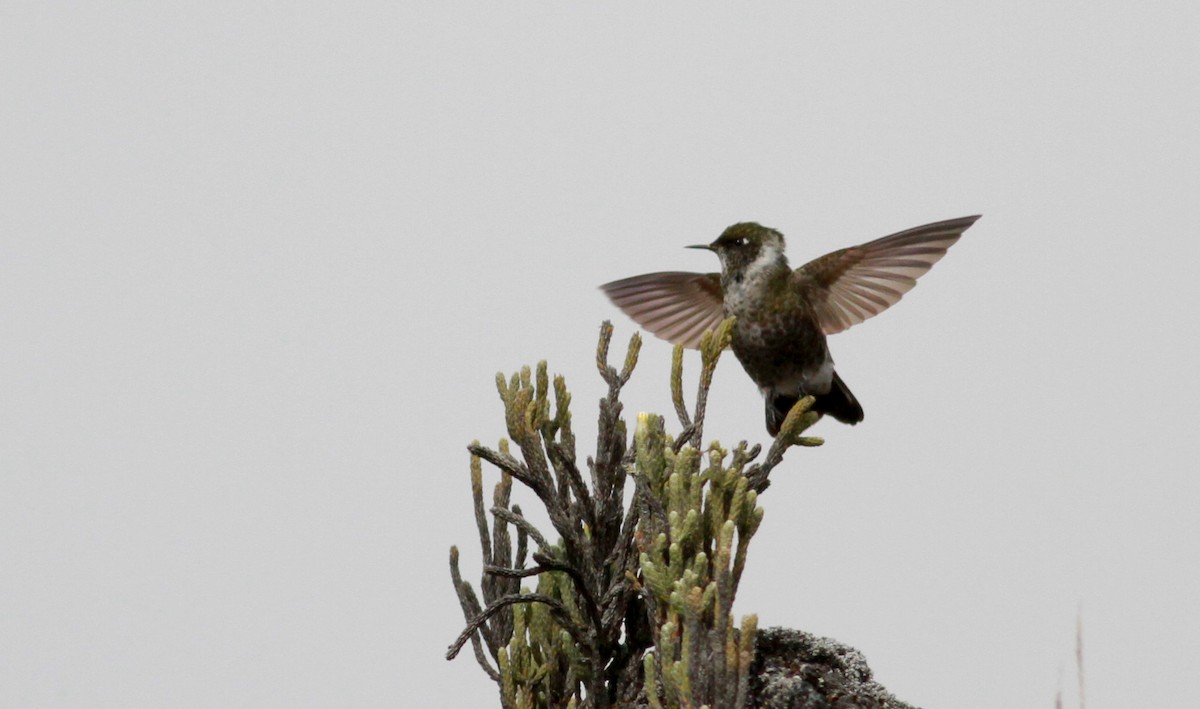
x: 633, y: 606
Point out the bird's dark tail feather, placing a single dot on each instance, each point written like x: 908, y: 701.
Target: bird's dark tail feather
x: 838, y: 402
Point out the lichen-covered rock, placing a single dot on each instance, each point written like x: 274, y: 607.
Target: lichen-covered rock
x: 793, y: 669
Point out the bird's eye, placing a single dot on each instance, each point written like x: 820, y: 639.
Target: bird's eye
x: 738, y: 242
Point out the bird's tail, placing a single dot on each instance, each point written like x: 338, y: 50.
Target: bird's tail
x: 838, y: 402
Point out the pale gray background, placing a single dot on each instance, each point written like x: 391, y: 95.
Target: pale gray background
x: 260, y: 263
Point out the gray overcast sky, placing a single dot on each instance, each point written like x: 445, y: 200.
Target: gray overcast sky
x: 259, y: 265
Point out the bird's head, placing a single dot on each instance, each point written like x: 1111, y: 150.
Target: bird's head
x: 746, y: 248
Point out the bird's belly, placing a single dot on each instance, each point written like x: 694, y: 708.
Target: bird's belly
x: 784, y: 359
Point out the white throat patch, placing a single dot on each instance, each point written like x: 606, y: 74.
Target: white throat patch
x: 768, y: 255
x: 742, y: 295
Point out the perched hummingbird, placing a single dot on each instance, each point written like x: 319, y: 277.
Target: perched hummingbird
x: 784, y: 316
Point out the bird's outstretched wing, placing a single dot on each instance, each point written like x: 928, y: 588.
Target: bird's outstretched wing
x: 851, y: 285
x: 676, y: 306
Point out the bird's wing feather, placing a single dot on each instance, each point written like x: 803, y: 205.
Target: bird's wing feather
x: 850, y: 285
x: 676, y: 306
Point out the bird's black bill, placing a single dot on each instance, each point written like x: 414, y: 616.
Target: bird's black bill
x: 706, y: 247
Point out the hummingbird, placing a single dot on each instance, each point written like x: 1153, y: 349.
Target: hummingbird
x: 784, y: 316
